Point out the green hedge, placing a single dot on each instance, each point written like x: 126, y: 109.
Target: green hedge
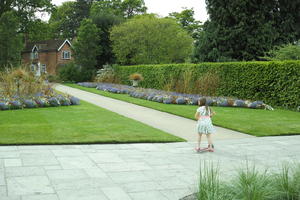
x: 275, y: 83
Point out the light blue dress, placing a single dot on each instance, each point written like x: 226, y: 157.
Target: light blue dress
x: 204, y: 124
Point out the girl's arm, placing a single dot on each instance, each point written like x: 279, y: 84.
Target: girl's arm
x: 197, y: 115
x: 212, y: 113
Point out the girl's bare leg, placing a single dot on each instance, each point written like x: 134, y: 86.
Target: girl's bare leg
x: 199, y: 140
x: 210, y: 144
x: 209, y: 139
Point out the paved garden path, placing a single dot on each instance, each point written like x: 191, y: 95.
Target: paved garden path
x: 128, y: 171
x: 179, y: 126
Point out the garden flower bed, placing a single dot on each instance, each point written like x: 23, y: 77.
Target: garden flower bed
x: 37, y: 101
x: 165, y: 97
x: 20, y: 88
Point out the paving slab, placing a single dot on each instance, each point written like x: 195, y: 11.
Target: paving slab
x: 179, y: 126
x: 166, y: 171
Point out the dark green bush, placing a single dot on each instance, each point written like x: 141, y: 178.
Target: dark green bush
x: 74, y: 73
x: 276, y: 83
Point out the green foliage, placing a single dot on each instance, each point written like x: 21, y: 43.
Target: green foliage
x: 288, y: 182
x: 11, y: 43
x: 39, y: 31
x: 150, y: 40
x: 250, y: 184
x: 209, y: 187
x: 125, y: 8
x: 66, y: 19
x: 232, y: 34
x: 275, y: 83
x: 186, y: 19
x: 74, y: 73
x: 286, y: 52
x: 105, y: 21
x: 86, y: 47
x: 26, y: 10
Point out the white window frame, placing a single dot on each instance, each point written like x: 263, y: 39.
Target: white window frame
x: 32, y: 67
x: 43, y: 68
x: 64, y: 53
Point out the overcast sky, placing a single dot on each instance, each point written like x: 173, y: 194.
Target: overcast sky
x: 164, y: 7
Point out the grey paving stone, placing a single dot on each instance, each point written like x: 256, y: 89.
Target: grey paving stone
x: 36, y: 152
x: 8, y: 148
x: 24, y: 171
x: 96, y: 173
x: 41, y: 197
x: 67, y: 152
x: 9, y: 154
x: 149, y: 195
x: 3, y: 191
x: 2, y: 178
x: 140, y: 186
x: 176, y: 194
x: 78, y: 184
x: 10, y: 197
x: 66, y: 174
x: 105, y: 158
x: 115, y: 193
x: 86, y: 194
x: 119, y: 167
x: 52, y: 167
x: 128, y: 177
x: 76, y: 162
x: 31, y: 185
x: 39, y: 160
x: 12, y: 162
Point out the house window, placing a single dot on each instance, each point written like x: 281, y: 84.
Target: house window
x: 43, y: 68
x: 32, y: 67
x: 66, y: 55
x: 34, y: 55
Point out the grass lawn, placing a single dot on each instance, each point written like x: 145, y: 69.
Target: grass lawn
x: 85, y: 123
x: 250, y: 121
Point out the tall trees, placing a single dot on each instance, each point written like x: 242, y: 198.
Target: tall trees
x: 148, y: 39
x: 186, y: 19
x: 86, y: 46
x: 105, y: 21
x: 10, y: 40
x: 25, y: 10
x: 65, y: 19
x: 124, y: 8
x: 245, y: 30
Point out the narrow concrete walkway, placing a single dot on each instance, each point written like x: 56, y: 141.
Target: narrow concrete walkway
x: 179, y: 126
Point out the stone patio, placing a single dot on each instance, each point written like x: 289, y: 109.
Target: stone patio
x: 166, y: 171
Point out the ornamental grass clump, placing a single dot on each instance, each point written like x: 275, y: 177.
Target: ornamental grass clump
x: 250, y: 184
x: 20, y: 88
x: 209, y: 187
x: 287, y: 183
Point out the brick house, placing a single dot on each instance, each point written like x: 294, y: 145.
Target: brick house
x: 47, y: 56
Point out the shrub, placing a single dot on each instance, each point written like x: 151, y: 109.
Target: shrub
x: 74, y: 101
x: 106, y: 75
x: 4, y: 106
x: 74, y: 73
x: 15, y: 105
x: 30, y: 103
x: 275, y: 83
x: 54, y: 102
x: 136, y: 77
x: 20, y: 82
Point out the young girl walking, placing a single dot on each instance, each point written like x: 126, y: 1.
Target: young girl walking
x: 204, y: 125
